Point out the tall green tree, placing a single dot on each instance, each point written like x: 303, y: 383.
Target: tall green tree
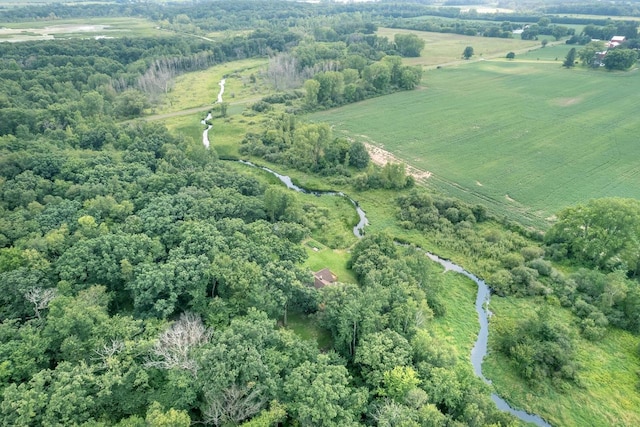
x: 603, y: 232
x: 570, y: 59
x: 321, y: 394
x: 620, y: 59
x: 409, y: 45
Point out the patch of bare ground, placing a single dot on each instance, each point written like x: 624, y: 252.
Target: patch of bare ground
x: 381, y: 157
x: 506, y: 196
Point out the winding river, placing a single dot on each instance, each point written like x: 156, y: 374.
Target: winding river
x: 479, y: 350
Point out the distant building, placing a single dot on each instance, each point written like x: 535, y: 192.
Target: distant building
x: 616, y: 41
x: 323, y: 278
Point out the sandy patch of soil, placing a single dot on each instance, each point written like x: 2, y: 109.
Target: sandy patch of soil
x: 506, y: 196
x: 381, y: 157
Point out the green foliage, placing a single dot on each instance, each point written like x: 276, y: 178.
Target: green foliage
x: 541, y: 348
x: 390, y: 176
x: 620, y: 59
x: 409, y: 45
x: 570, y: 59
x: 603, y: 233
x: 309, y: 147
x: 468, y: 52
x: 426, y: 211
x: 156, y: 417
x: 378, y: 354
x: 588, y: 52
x: 322, y: 394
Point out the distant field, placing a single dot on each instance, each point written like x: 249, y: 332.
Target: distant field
x: 70, y: 28
x: 442, y: 48
x: 527, y: 137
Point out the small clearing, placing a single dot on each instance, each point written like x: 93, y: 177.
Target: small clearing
x: 381, y: 157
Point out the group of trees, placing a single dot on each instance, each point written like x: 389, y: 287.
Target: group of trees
x: 331, y: 88
x: 309, y: 147
x: 347, y: 69
x: 47, y: 87
x: 600, y: 235
x: 142, y: 282
x: 596, y: 52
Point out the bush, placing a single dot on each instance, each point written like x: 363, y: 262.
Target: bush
x: 261, y: 107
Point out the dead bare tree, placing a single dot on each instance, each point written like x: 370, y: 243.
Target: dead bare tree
x: 283, y: 72
x: 40, y: 298
x: 233, y: 405
x: 174, y: 346
x: 108, y: 351
x: 158, y: 79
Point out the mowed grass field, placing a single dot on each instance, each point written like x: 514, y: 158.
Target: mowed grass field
x: 526, y: 137
x: 445, y: 48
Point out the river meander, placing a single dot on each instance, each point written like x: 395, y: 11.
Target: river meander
x: 479, y: 350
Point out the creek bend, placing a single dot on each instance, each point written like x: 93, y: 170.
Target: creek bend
x: 479, y: 350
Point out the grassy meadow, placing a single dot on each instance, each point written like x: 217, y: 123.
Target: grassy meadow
x: 446, y: 48
x: 526, y: 137
x: 606, y: 393
x: 201, y: 88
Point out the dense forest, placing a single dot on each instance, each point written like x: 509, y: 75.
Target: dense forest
x: 147, y: 282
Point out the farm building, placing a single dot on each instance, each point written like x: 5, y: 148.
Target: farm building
x: 616, y: 41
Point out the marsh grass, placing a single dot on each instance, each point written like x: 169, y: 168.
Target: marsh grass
x: 606, y: 393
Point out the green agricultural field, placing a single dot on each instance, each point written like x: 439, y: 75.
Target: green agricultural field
x: 526, y: 137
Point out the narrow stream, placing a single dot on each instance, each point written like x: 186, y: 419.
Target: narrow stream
x: 358, y: 229
x: 205, y: 133
x: 479, y: 350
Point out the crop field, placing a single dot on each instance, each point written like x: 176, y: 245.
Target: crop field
x: 526, y: 137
